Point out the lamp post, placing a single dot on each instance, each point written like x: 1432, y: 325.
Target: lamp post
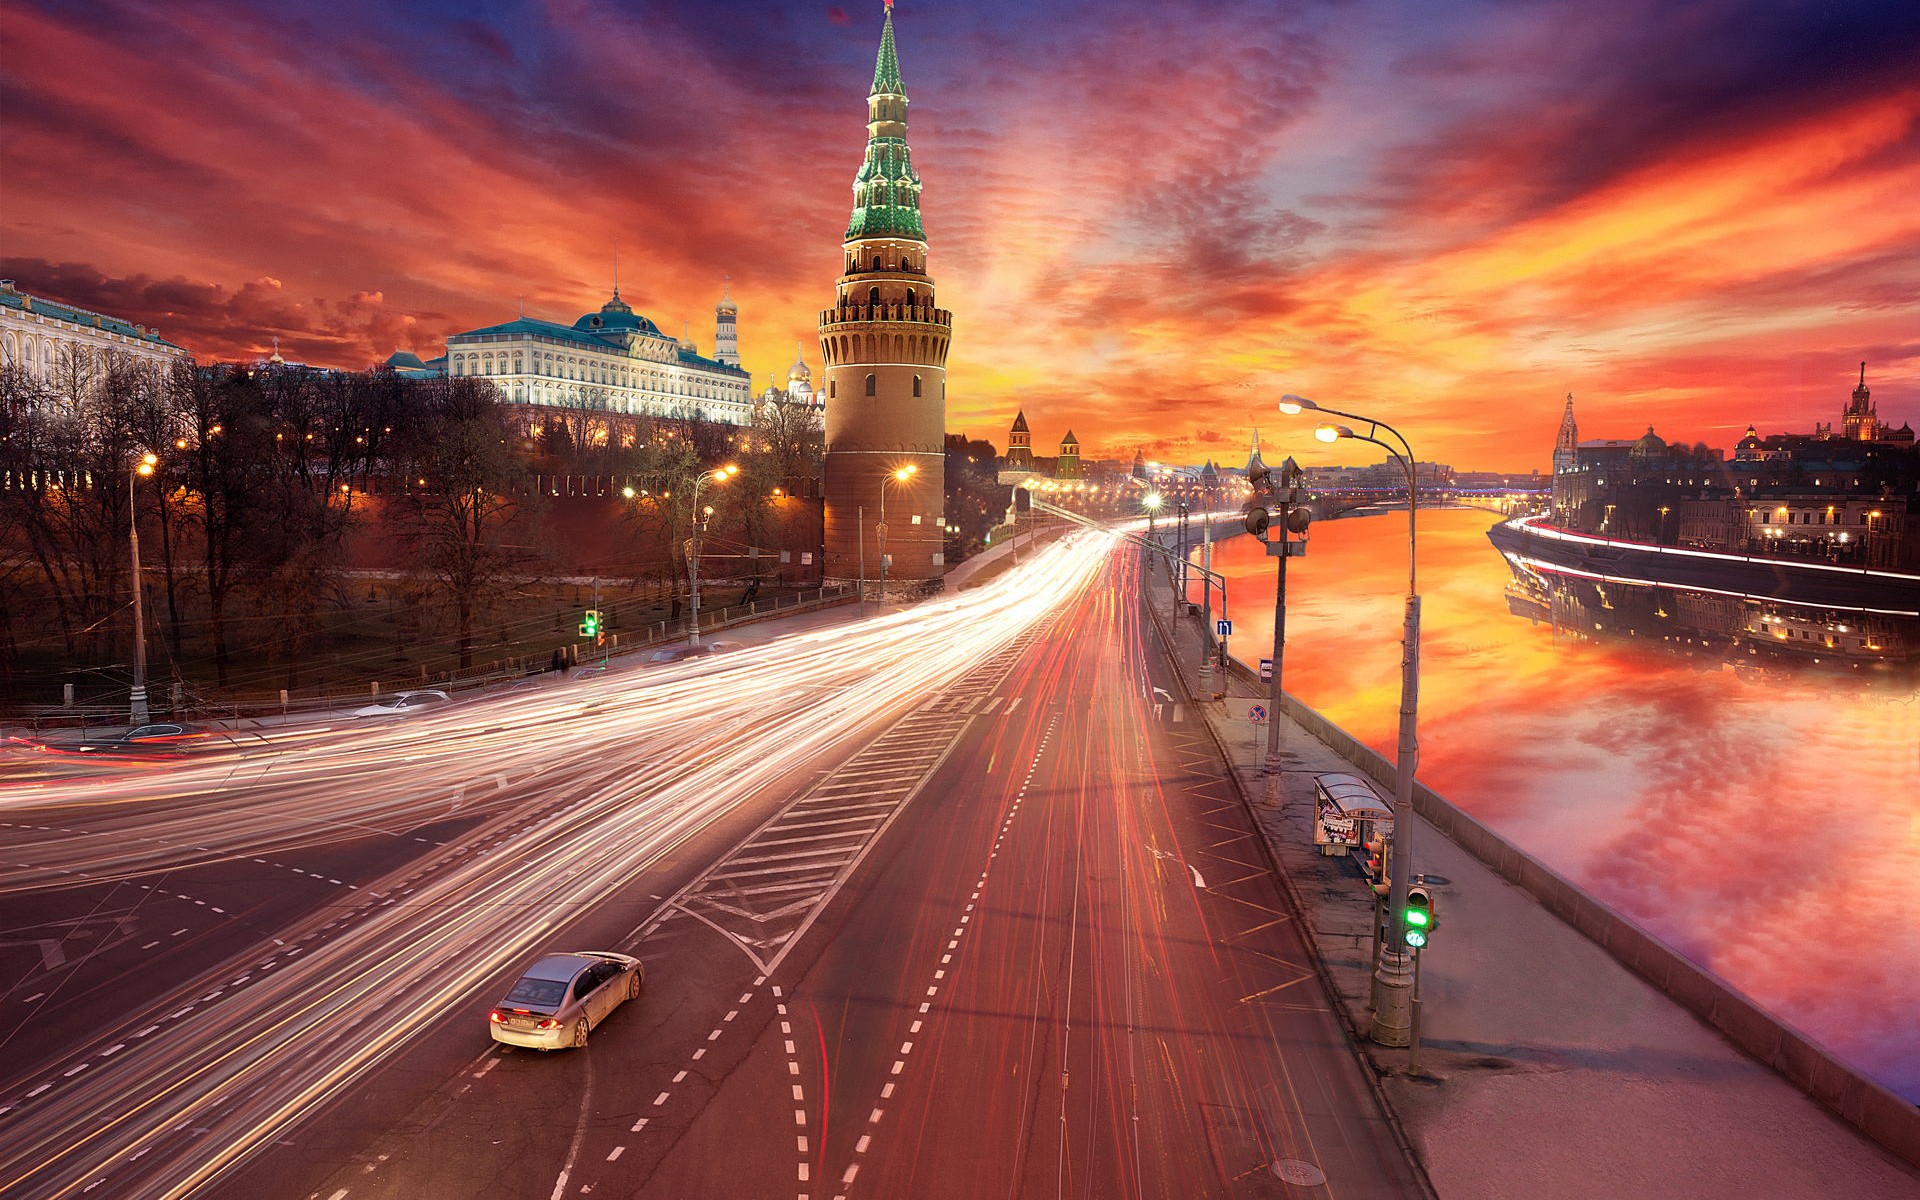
x: 137, y: 699
x: 1151, y: 502
x: 1180, y: 585
x: 700, y: 515
x: 901, y: 475
x: 1393, y: 974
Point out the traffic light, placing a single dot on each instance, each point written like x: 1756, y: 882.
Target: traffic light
x: 1298, y: 518
x: 1379, y: 861
x: 1419, y: 916
x: 1257, y: 522
x: 590, y: 623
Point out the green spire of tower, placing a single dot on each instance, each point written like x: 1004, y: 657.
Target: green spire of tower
x: 886, y: 69
x: 886, y: 191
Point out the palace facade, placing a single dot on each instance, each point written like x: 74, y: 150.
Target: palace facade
x: 38, y: 336
x: 613, y: 361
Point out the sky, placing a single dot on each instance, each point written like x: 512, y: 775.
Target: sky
x: 1150, y: 218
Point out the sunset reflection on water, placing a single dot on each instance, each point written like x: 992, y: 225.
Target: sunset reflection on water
x: 1759, y: 814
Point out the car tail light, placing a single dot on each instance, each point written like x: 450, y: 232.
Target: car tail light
x: 549, y: 1023
x: 496, y: 1016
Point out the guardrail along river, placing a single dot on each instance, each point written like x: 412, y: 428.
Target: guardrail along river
x: 1741, y: 777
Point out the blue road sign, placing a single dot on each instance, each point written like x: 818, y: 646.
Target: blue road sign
x: 1223, y: 628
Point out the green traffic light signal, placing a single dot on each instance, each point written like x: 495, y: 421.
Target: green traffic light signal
x: 1418, y: 917
x: 590, y: 623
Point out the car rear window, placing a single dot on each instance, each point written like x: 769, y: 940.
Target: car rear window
x: 546, y: 993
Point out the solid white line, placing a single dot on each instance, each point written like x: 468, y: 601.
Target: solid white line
x: 1197, y: 881
x: 991, y: 705
x: 1013, y: 704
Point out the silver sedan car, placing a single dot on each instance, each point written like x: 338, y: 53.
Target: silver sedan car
x: 559, y: 999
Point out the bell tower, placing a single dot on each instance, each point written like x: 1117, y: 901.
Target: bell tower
x: 885, y: 346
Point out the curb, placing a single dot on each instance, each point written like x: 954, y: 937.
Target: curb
x: 1297, y: 909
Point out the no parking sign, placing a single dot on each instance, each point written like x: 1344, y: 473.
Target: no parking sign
x: 1257, y: 714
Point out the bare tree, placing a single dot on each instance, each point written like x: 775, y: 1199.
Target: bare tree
x: 463, y: 519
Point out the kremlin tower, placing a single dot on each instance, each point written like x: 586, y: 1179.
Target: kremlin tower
x: 885, y: 347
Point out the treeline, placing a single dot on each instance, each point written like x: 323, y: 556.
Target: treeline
x: 246, y: 484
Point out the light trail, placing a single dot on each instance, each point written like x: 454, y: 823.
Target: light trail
x: 618, y: 771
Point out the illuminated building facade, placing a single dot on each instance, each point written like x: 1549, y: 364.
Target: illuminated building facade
x: 613, y: 361
x: 42, y: 337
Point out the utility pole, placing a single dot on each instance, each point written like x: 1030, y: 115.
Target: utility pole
x: 1180, y: 581
x: 860, y: 519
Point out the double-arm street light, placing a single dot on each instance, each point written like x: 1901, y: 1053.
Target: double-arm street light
x: 137, y: 706
x: 1393, y: 974
x: 902, y: 475
x: 700, y: 515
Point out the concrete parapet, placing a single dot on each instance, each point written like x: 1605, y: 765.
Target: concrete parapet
x: 1878, y: 1113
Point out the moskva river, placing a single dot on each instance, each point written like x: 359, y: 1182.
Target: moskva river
x: 1741, y: 778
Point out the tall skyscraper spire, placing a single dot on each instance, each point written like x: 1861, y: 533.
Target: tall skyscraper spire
x: 885, y: 347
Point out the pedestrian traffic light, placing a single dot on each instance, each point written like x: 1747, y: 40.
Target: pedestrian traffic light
x: 1418, y: 915
x: 590, y: 623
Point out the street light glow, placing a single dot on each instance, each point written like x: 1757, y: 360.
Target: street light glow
x: 1332, y: 433
x: 1292, y: 405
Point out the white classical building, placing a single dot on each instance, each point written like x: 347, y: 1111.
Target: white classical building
x: 36, y: 334
x: 613, y: 360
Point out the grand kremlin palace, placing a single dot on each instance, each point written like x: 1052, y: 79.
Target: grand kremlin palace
x: 612, y: 361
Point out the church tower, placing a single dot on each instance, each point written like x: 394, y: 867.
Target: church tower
x: 1020, y: 444
x: 885, y: 347
x: 726, y: 335
x: 1068, y: 466
x: 1566, y: 447
x: 1566, y: 455
x: 1861, y: 423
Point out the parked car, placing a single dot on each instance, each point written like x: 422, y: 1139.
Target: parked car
x: 561, y: 998
x: 402, y: 704
x: 163, y: 738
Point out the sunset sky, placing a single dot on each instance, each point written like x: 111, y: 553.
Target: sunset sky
x: 1149, y: 218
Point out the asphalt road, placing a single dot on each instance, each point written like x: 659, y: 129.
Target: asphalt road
x: 948, y: 904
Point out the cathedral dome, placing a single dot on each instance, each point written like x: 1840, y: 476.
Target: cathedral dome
x: 799, y: 372
x: 1649, y: 445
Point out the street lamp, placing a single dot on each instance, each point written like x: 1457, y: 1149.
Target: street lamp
x: 1151, y: 502
x: 1393, y: 976
x: 137, y: 699
x: 902, y: 475
x: 700, y: 515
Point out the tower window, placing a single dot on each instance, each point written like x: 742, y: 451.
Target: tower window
x: 870, y: 385
x: 916, y: 385
x: 873, y: 295
x: 833, y: 388
x: 910, y: 299
x: 876, y: 262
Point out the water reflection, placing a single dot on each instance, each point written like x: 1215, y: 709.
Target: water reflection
x: 1739, y: 631
x: 1684, y: 767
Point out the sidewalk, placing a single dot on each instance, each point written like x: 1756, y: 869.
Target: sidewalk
x: 1549, y: 1071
